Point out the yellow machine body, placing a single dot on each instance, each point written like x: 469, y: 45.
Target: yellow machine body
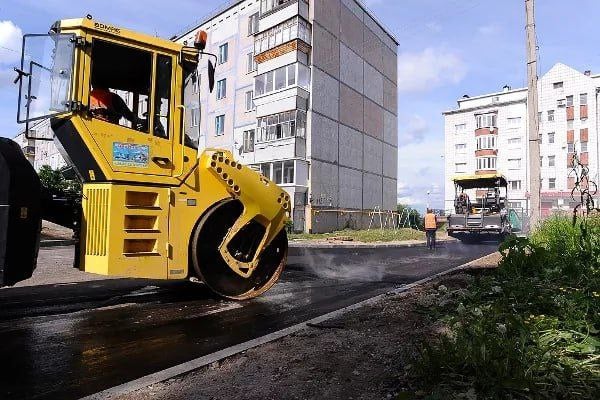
x: 140, y: 212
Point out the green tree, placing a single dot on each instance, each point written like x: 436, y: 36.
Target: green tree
x: 54, y: 181
x: 415, y: 219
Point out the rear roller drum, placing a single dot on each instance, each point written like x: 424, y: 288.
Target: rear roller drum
x: 214, y: 271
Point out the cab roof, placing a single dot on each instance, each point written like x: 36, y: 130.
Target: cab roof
x: 480, y: 181
x: 89, y: 24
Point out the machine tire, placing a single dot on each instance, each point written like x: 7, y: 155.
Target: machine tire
x: 212, y: 269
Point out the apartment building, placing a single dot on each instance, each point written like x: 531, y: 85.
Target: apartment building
x: 40, y: 152
x: 489, y: 133
x: 306, y: 93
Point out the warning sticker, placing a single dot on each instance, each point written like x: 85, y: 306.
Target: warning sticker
x: 130, y: 155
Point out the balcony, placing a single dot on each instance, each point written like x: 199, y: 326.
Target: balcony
x: 274, y: 12
x: 486, y: 131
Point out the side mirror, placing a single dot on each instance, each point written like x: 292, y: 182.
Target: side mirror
x: 211, y: 76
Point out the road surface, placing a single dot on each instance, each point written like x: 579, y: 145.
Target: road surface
x: 65, y: 341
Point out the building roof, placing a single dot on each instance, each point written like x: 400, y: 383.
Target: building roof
x: 233, y: 3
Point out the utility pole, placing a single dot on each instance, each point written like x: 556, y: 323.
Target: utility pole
x: 532, y: 108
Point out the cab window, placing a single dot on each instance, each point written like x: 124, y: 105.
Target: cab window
x: 121, y: 80
x: 162, y: 96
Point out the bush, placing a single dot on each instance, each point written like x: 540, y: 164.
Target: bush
x: 531, y: 328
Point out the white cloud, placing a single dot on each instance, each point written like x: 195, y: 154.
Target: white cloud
x: 431, y: 68
x: 414, y: 131
x: 10, y: 42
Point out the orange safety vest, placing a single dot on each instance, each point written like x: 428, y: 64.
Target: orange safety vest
x: 101, y: 103
x: 430, y: 221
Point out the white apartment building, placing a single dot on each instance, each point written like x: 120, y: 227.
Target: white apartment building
x: 40, y: 152
x: 489, y: 133
x: 306, y: 93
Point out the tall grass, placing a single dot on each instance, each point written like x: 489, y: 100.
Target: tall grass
x: 528, y: 330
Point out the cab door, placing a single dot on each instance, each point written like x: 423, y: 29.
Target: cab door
x: 134, y: 131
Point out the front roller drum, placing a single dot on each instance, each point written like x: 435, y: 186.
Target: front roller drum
x: 212, y: 269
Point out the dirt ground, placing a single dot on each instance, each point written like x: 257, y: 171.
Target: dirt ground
x: 361, y: 355
x: 52, y: 231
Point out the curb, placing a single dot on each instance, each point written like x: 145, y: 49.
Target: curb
x: 208, y: 359
x: 57, y: 243
x: 362, y: 245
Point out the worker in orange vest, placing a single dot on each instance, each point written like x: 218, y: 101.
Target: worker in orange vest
x: 109, y: 106
x: 430, y: 228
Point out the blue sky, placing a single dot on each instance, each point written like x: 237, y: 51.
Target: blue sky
x: 447, y: 48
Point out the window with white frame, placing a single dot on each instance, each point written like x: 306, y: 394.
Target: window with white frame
x: 571, y: 147
x: 223, y: 53
x: 583, y: 99
x: 219, y: 125
x: 195, y: 119
x: 250, y: 100
x: 288, y: 171
x: 281, y: 126
x: 265, y: 170
x: 551, y: 136
x: 486, y: 163
x: 282, y: 78
x: 514, y: 122
x: 253, y: 24
x: 460, y: 128
x: 551, y: 161
x: 550, y: 115
x: 248, y: 141
x: 514, y: 185
x: 269, y: 5
x: 541, y: 161
x: 460, y: 168
x: 557, y: 85
x: 196, y: 83
x: 460, y: 148
x: 295, y: 28
x: 486, y: 120
x: 583, y: 146
x: 514, y: 204
x: 251, y: 65
x: 569, y: 101
x: 514, y: 141
x: 278, y: 173
x: 487, y: 142
x: 221, y: 89
x: 514, y: 163
x: 552, y: 183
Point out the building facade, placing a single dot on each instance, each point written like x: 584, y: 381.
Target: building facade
x: 40, y: 152
x: 306, y: 93
x: 489, y: 133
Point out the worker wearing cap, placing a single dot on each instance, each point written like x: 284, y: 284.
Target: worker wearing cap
x: 430, y: 228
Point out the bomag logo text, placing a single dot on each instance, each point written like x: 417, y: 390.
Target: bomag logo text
x: 107, y: 28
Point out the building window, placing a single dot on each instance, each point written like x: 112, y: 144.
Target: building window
x: 514, y: 204
x: 514, y: 185
x: 571, y: 147
x: 514, y: 163
x: 486, y: 120
x: 514, y: 122
x: 551, y: 137
x: 250, y: 100
x: 281, y: 126
x: 487, y: 142
x: 295, y: 28
x: 550, y: 115
x: 460, y: 148
x: 288, y: 171
x: 253, y: 24
x: 460, y: 128
x: 196, y: 83
x: 569, y: 101
x: 221, y: 89
x: 460, y: 168
x: 583, y: 99
x: 541, y: 161
x: 552, y: 183
x: 282, y: 78
x: 251, y: 65
x: 223, y: 53
x: 278, y: 173
x: 195, y: 120
x: 248, y: 138
x: 514, y: 141
x: 219, y: 125
x: 584, y: 147
x: 486, y: 163
x: 551, y: 161
x: 265, y: 170
x: 557, y: 85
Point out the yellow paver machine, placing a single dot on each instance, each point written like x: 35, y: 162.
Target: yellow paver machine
x: 153, y: 205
